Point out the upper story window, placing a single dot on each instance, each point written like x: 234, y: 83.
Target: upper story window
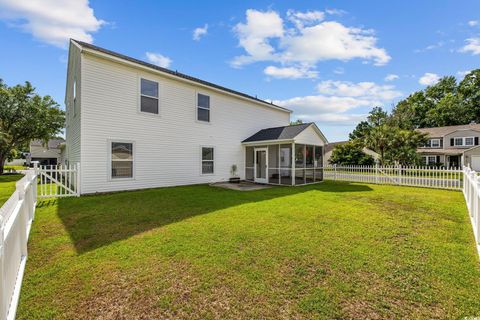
x: 435, y: 143
x: 203, y: 107
x: 148, y: 96
x: 469, y: 141
x: 464, y: 141
x: 74, y: 95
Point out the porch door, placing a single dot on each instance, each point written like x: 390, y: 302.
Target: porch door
x: 261, y: 165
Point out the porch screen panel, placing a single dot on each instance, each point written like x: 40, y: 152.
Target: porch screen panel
x: 309, y: 162
x: 285, y: 164
x: 273, y: 164
x: 249, y: 163
x: 318, y: 163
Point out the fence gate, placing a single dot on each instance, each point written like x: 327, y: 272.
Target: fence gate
x: 58, y: 181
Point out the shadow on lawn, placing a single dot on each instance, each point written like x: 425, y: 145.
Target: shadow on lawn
x: 99, y: 220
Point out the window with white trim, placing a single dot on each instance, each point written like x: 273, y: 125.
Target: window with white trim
x: 429, y: 160
x: 458, y: 141
x: 469, y: 141
x: 208, y: 154
x: 434, y: 143
x: 121, y: 160
x: 148, y: 96
x: 203, y: 107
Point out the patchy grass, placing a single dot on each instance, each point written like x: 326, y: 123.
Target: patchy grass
x: 332, y: 250
x: 7, y: 186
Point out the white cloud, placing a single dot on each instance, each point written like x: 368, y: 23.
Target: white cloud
x: 473, y: 23
x: 52, y: 21
x: 301, y: 19
x: 429, y: 79
x: 339, y: 70
x: 290, y: 72
x: 337, y: 99
x: 158, y: 59
x: 431, y: 47
x: 199, y: 32
x: 364, y: 90
x: 254, y: 36
x: 391, y: 77
x: 472, y: 46
x: 265, y: 36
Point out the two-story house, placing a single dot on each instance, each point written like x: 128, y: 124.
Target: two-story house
x: 133, y: 125
x: 452, y: 146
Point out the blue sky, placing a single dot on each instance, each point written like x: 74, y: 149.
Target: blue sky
x: 329, y: 61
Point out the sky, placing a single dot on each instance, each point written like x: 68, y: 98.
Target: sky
x: 328, y: 61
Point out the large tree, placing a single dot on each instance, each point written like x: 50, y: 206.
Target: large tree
x: 444, y: 103
x: 375, y: 118
x: 350, y: 153
x: 24, y: 116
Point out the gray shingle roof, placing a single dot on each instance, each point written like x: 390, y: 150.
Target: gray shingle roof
x: 278, y: 133
x: 442, y: 131
x: 52, y: 143
x: 175, y: 73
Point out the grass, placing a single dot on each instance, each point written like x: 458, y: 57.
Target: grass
x: 328, y: 251
x: 7, y: 186
x: 13, y: 168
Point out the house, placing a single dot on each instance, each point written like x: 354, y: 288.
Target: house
x: 452, y: 146
x: 133, y: 125
x: 49, y: 153
x: 330, y: 146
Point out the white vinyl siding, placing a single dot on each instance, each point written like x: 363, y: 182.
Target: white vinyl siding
x: 166, y: 146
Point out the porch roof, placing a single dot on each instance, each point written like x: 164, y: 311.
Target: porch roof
x: 278, y: 133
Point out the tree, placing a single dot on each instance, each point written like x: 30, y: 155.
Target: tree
x: 24, y: 116
x: 378, y: 140
x: 350, y: 153
x: 298, y: 121
x: 377, y: 116
x: 402, y: 149
x: 445, y: 103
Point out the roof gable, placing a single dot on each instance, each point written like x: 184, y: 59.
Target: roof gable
x: 443, y: 131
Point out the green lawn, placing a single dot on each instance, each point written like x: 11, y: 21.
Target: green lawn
x: 331, y: 250
x: 7, y: 186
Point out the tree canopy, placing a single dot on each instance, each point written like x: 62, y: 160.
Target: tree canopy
x: 350, y: 153
x: 24, y: 116
x: 445, y: 103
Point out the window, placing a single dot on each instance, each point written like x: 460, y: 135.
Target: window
x: 429, y: 160
x: 74, y: 95
x: 459, y: 141
x: 203, y: 107
x: 469, y: 141
x: 435, y: 143
x: 207, y: 160
x: 122, y: 160
x: 148, y: 96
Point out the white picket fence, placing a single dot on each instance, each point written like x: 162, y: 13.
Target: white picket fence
x: 58, y: 181
x: 429, y: 177
x: 471, y: 191
x: 16, y: 217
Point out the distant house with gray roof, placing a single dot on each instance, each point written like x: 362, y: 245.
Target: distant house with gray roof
x: 452, y: 146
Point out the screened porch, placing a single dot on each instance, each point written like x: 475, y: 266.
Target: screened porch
x: 284, y: 163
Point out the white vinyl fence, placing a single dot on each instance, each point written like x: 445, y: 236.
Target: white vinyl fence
x: 16, y: 217
x: 429, y: 177
x: 471, y: 191
x: 58, y: 181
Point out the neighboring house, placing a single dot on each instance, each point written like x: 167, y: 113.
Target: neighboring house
x: 329, y: 150
x: 133, y: 125
x: 49, y: 153
x: 452, y: 146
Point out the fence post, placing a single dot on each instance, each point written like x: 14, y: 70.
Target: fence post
x: 77, y: 180
x: 335, y: 172
x: 399, y: 173
x: 376, y: 172
x: 3, y: 289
